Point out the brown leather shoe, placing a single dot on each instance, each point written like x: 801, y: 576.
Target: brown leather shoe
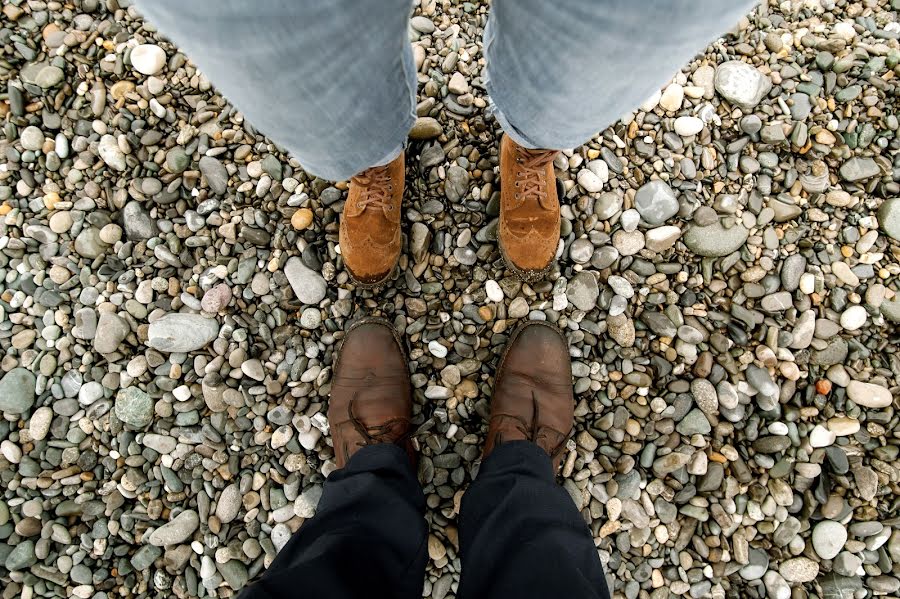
x: 370, y: 225
x: 371, y: 394
x: 529, y: 210
x: 533, y: 397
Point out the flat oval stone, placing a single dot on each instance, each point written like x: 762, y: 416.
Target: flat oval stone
x: 17, y: 391
x: 715, y: 240
x: 178, y: 530
x: 181, y: 332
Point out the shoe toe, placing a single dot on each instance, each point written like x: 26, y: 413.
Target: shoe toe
x: 372, y: 344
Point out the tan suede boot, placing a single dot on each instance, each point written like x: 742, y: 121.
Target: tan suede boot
x: 529, y: 210
x: 370, y: 225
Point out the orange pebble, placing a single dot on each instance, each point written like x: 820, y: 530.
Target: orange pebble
x: 823, y: 386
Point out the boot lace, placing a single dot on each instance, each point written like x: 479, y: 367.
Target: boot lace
x: 391, y: 431
x: 375, y: 188
x: 531, y: 180
x: 549, y: 439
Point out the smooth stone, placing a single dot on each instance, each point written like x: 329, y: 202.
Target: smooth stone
x: 111, y: 331
x: 757, y: 565
x: 828, y: 538
x: 111, y: 154
x: 583, y: 291
x: 235, y: 573
x: 621, y: 328
x: 589, y: 181
x: 705, y: 396
x: 662, y: 238
x: 177, y: 160
x: 891, y: 310
x: 39, y: 424
x: 89, y: 244
x: 134, y: 407
x: 17, y: 391
x: 889, y: 217
x: 21, y: 557
x: 145, y: 556
x: 715, y: 240
x: 670, y: 462
x: 656, y: 202
x: 228, y: 504
x: 621, y: 286
x: 458, y: 84
x: 853, y: 318
x: 672, y: 97
x: 858, y: 169
x: 741, y: 84
x: 177, y: 530
x: 456, y: 184
x: 425, y: 127
x: 799, y: 569
x: 309, y: 286
x: 628, y: 243
x: 148, y: 59
x: 216, y: 298
x: 821, y: 437
x: 137, y: 222
x: 161, y: 444
x: 48, y: 76
x: 686, y: 126
x: 216, y: 174
x: 776, y: 586
x: 32, y: 138
x: 306, y: 503
x: 608, y: 205
x: 581, y: 251
x: 694, y: 422
x: 869, y: 395
x: 181, y: 332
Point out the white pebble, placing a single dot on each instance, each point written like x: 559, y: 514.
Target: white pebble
x: 686, y: 126
x: 148, y: 59
x: 10, y: 451
x: 844, y: 30
x: 437, y: 350
x: 821, y: 436
x: 807, y: 283
x: 493, y: 291
x: 590, y: 181
x: 630, y: 220
x: 854, y: 318
x: 671, y: 98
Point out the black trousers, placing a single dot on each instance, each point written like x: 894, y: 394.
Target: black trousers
x: 520, y: 534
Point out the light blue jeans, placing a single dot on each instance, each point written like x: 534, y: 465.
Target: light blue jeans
x: 334, y: 81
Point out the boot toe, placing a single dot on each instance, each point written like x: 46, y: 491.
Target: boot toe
x: 367, y: 261
x: 543, y: 349
x: 530, y: 252
x: 372, y: 344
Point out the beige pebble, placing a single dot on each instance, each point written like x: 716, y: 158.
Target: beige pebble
x: 302, y: 219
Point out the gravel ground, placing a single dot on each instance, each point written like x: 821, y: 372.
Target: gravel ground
x: 172, y: 293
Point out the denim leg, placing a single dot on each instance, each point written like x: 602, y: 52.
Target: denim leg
x: 559, y: 71
x: 520, y: 534
x: 333, y: 82
x: 367, y: 539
